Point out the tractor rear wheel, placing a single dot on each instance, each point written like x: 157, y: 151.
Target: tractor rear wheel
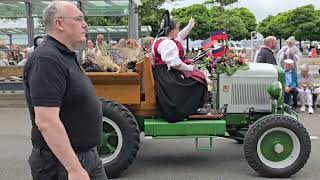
x: 120, y: 138
x: 277, y: 146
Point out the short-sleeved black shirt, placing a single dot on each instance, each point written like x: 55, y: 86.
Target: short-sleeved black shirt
x: 53, y: 78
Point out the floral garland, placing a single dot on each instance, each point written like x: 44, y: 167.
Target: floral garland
x: 229, y: 63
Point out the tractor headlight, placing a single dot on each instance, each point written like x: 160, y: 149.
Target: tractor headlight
x: 275, y: 90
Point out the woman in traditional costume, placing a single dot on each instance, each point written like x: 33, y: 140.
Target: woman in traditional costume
x: 180, y: 87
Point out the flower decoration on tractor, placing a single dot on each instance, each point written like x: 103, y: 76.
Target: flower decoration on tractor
x: 222, y: 59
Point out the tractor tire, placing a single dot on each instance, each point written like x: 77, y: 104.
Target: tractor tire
x: 277, y: 146
x: 120, y: 138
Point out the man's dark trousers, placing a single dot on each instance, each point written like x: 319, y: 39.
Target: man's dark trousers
x: 45, y: 166
x: 294, y: 95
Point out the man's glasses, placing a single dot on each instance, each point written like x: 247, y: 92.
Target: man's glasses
x: 78, y: 18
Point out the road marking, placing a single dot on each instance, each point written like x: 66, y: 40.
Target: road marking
x: 314, y: 137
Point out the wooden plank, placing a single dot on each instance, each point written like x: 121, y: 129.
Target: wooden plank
x: 149, y: 82
x: 111, y: 78
x: 143, y: 109
x: 7, y: 71
x: 124, y: 94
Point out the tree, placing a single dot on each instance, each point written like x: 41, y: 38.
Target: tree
x: 215, y: 11
x: 305, y: 31
x: 107, y: 21
x: 200, y: 13
x: 247, y: 18
x: 277, y: 26
x: 301, y: 22
x: 221, y: 3
x: 263, y: 27
x: 149, y: 14
x: 305, y: 20
x: 302, y: 15
x: 231, y: 23
x: 237, y: 22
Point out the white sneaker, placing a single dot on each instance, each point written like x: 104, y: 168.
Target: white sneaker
x: 310, y: 110
x: 303, y: 109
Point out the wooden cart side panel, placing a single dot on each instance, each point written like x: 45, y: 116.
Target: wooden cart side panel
x: 149, y: 81
x: 7, y: 71
x: 147, y: 107
x: 121, y: 87
x: 124, y: 94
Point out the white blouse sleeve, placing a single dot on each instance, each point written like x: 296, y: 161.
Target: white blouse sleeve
x: 170, y: 55
x: 184, y: 32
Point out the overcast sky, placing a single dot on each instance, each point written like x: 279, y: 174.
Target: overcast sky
x: 260, y: 8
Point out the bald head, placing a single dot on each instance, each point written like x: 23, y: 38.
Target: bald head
x: 270, y: 42
x: 53, y: 10
x: 65, y: 23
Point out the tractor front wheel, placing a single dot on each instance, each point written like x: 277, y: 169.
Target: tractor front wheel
x: 277, y: 146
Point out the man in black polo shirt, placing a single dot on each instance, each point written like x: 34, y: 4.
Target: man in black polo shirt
x: 65, y: 112
x: 266, y: 54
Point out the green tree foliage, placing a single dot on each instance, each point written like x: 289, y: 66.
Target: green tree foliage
x: 308, y: 31
x: 215, y: 11
x: 237, y: 22
x: 276, y: 26
x: 264, y: 27
x: 200, y: 13
x: 302, y: 15
x: 232, y: 23
x: 248, y: 18
x: 305, y: 20
x: 150, y: 14
x: 302, y: 22
x: 107, y: 21
x: 221, y: 3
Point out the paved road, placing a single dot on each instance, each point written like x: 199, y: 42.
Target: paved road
x: 157, y: 159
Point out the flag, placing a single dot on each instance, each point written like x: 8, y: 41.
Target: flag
x: 219, y: 52
x: 219, y: 35
x: 208, y: 43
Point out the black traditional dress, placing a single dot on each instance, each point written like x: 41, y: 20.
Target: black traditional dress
x: 179, y: 91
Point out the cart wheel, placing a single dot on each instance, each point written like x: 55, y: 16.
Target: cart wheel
x: 277, y: 146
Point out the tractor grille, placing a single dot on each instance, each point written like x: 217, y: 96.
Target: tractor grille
x: 249, y: 94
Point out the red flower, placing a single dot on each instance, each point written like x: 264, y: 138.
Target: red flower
x: 231, y: 55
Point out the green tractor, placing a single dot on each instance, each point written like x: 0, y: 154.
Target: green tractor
x: 249, y: 107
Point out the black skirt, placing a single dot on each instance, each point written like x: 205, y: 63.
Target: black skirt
x: 177, y: 96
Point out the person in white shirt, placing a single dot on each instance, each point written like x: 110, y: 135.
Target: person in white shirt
x: 304, y: 80
x: 180, y: 87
